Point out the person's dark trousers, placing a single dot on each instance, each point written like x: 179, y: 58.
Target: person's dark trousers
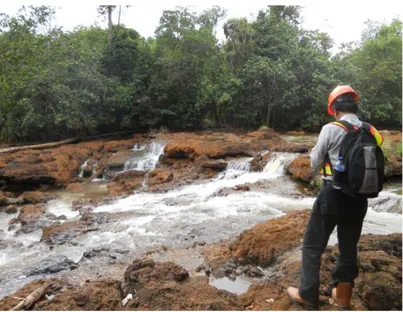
x: 332, y: 208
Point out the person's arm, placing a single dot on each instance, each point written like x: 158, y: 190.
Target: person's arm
x: 318, y: 153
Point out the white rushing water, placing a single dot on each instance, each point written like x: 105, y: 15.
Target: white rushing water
x: 192, y: 212
x: 148, y: 160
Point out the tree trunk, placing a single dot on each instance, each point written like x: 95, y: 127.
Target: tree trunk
x: 110, y: 24
x: 268, y: 115
x: 120, y: 11
x: 32, y: 298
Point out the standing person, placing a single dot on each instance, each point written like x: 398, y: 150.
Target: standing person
x: 336, y: 205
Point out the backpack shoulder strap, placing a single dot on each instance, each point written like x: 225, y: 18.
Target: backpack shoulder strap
x: 375, y: 133
x: 344, y: 124
x: 366, y: 126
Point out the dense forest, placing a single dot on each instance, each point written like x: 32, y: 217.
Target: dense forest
x: 268, y: 72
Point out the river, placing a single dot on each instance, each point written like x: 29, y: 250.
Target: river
x: 172, y: 220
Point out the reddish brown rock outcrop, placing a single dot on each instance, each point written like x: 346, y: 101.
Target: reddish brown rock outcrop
x: 300, y: 168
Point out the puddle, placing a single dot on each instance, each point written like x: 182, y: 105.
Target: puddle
x: 238, y: 286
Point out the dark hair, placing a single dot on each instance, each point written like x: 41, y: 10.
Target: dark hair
x: 345, y: 103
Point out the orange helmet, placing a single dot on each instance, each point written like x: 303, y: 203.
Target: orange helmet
x: 339, y: 90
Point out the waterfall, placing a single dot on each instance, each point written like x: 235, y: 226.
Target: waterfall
x: 82, y: 167
x: 235, y: 168
x: 277, y: 161
x: 150, y: 158
x: 240, y: 165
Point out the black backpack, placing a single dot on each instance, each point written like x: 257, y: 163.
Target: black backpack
x: 364, y: 163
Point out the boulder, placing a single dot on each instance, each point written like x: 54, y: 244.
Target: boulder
x: 30, y: 213
x: 34, y: 197
x: 218, y: 165
x: 265, y: 242
x: 159, y: 176
x: 11, y: 209
x: 51, y: 265
x: 117, y: 161
x: 300, y: 168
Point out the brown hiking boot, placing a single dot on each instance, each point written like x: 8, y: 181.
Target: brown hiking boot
x: 294, y: 296
x: 342, y: 295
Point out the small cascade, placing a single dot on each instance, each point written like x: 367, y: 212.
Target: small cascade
x: 386, y: 202
x: 240, y: 165
x: 82, y: 167
x: 150, y: 158
x: 236, y: 168
x: 277, y: 162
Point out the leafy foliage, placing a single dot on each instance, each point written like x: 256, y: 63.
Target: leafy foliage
x: 269, y: 71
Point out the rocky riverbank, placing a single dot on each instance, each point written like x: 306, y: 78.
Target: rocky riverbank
x: 268, y: 253
x: 145, y: 233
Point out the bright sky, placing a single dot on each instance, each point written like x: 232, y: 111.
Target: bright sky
x: 342, y: 20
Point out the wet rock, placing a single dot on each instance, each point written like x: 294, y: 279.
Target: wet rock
x: 240, y: 270
x: 115, y: 146
x: 13, y: 221
x: 117, y: 161
x: 200, y: 268
x: 390, y: 244
x: 128, y: 175
x: 241, y: 188
x: 290, y: 148
x: 199, y: 243
x: 67, y: 231
x: 386, y: 204
x: 88, y: 171
x: 89, y: 203
x: 34, y: 197
x: 29, y: 213
x: 32, y: 226
x: 50, y: 216
x: 259, y: 161
x: 393, y: 166
x: 265, y: 242
x: 201, y: 159
x: 212, y: 149
x: 91, y: 253
x: 218, y: 165
x: 230, y: 190
x: 8, y: 243
x: 252, y: 271
x: 51, y: 265
x: 126, y: 182
x: 256, y: 164
x: 300, y: 168
x: 103, y: 294
x: 176, y: 201
x: 12, y: 227
x: 4, y: 200
x: 140, y: 272
x: 121, y: 251
x: 159, y: 176
x: 61, y: 217
x: 62, y: 233
x: 11, y: 209
x: 29, y: 168
x: 125, y: 186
